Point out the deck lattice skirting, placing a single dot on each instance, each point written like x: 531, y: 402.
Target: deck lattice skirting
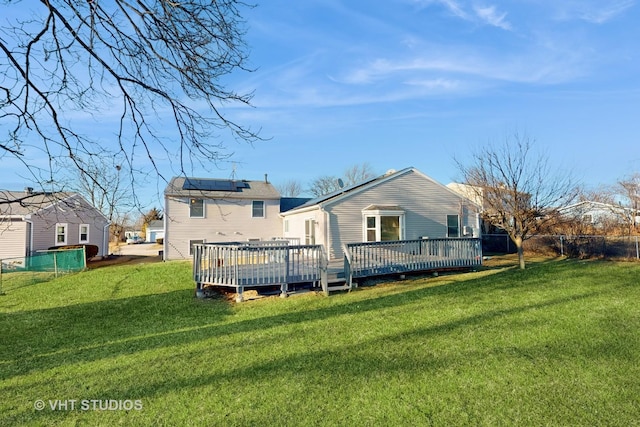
x: 255, y: 264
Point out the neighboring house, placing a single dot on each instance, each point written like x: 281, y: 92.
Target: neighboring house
x: 473, y: 193
x: 35, y: 221
x: 400, y: 205
x: 598, y: 215
x: 200, y: 210
x: 155, y: 230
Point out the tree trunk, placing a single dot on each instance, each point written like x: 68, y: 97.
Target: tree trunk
x: 520, y: 250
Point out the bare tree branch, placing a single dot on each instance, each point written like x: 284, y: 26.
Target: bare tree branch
x: 152, y: 58
x: 518, y: 187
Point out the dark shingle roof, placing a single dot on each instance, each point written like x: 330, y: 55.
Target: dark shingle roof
x: 288, y: 203
x: 181, y: 186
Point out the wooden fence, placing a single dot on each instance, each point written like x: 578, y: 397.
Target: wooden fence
x: 256, y: 264
x: 378, y: 258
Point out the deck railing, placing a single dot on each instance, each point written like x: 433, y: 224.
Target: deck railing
x: 251, y: 264
x: 377, y: 258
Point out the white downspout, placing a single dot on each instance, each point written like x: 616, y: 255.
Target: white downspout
x: 165, y: 222
x: 105, y: 240
x: 327, y: 236
x: 30, y: 236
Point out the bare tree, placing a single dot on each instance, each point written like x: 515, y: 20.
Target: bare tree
x: 518, y: 187
x: 353, y: 175
x: 142, y: 60
x: 323, y: 185
x: 291, y: 188
x: 358, y: 173
x: 629, y: 190
x: 103, y: 186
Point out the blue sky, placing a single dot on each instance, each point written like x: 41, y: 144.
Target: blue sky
x: 400, y: 83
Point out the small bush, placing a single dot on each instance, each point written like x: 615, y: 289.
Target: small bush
x: 160, y: 240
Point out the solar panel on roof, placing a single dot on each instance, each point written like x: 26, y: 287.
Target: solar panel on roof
x: 213, y: 184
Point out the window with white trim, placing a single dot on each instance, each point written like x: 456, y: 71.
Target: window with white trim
x: 383, y: 225
x: 196, y: 208
x: 61, y: 234
x: 453, y: 226
x: 83, y: 233
x: 257, y: 209
x: 194, y: 242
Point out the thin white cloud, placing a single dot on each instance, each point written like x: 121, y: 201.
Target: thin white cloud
x: 604, y: 13
x: 535, y: 67
x: 592, y: 11
x: 491, y: 16
x: 485, y: 14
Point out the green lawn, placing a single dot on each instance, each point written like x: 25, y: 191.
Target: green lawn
x: 556, y: 344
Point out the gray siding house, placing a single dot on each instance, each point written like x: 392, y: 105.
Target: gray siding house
x: 399, y: 205
x: 202, y: 210
x: 34, y: 221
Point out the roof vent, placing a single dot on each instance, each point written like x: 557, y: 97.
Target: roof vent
x: 28, y: 190
x: 390, y: 172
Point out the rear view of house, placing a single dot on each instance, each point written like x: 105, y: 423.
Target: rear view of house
x: 399, y: 205
x: 35, y: 221
x: 203, y: 210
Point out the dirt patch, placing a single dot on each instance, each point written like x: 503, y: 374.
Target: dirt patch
x: 122, y: 259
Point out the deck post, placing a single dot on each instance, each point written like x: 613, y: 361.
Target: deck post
x: 239, y: 286
x: 283, y: 290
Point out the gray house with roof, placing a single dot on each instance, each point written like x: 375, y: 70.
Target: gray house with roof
x: 399, y: 205
x: 35, y: 221
x: 201, y: 210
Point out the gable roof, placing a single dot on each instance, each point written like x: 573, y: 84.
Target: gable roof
x: 361, y: 186
x: 181, y: 186
x: 22, y: 203
x: 156, y: 223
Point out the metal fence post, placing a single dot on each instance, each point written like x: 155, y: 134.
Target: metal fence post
x: 55, y: 264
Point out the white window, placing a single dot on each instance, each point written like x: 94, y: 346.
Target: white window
x: 257, y: 209
x: 196, y: 208
x: 61, y: 234
x: 84, y: 233
x: 383, y: 224
x: 453, y: 226
x: 194, y: 242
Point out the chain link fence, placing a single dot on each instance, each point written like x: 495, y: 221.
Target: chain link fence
x: 609, y: 247
x: 40, y: 267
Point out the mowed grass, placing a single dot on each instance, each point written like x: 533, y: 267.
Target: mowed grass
x: 556, y: 344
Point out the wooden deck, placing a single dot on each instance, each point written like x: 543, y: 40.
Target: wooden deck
x: 259, y: 264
